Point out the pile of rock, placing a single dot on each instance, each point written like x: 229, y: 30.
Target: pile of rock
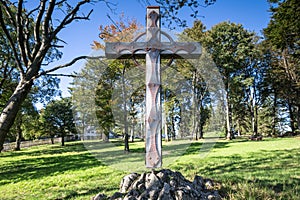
x: 163, y: 185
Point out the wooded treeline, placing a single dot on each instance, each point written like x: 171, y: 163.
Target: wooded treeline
x: 30, y: 42
x: 260, y: 75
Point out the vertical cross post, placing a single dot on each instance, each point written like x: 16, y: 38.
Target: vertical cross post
x: 153, y: 86
x: 154, y: 50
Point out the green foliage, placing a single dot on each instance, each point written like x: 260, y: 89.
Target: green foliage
x: 29, y: 37
x: 83, y: 94
x: 194, y: 72
x: 103, y: 100
x: 27, y: 121
x: 233, y: 50
x: 57, y: 118
x: 196, y: 32
x: 282, y: 47
x: 284, y: 28
x: 230, y: 46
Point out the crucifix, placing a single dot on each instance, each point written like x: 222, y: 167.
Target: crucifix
x: 154, y: 50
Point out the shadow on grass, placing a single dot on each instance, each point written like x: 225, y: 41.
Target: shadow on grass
x: 213, y: 143
x: 274, y: 171
x: 44, y: 149
x: 74, y: 194
x: 196, y: 146
x: 113, y: 155
x: 38, y: 163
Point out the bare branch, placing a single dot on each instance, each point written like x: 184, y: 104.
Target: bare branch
x: 27, y: 36
x: 67, y: 64
x: 20, y: 33
x: 110, y: 5
x: 11, y: 43
x: 47, y: 20
x: 9, y: 13
x: 114, y: 23
x: 4, y: 76
x: 64, y: 75
x: 57, y: 46
x: 83, y: 17
x: 60, y: 2
x: 7, y: 71
x: 60, y: 40
x: 32, y: 11
x: 37, y: 28
x: 71, y: 16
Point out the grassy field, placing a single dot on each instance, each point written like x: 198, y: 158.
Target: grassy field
x: 244, y: 169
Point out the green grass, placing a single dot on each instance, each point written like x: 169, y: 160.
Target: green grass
x: 54, y: 172
x: 244, y: 169
x: 249, y: 169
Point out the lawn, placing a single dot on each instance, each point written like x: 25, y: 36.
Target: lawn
x: 244, y: 169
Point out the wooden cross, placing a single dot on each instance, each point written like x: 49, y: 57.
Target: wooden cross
x: 154, y: 50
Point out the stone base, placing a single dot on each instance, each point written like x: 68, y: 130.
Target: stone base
x: 163, y: 185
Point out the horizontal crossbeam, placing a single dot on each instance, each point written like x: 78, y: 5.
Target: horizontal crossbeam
x: 125, y: 50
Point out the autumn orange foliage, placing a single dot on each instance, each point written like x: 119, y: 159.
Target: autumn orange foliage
x: 123, y: 30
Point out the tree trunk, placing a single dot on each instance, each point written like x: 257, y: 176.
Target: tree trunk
x: 253, y: 116
x: 253, y: 110
x: 10, y: 111
x: 255, y: 120
x: 19, y: 134
x: 239, y: 132
x: 253, y: 123
x: 166, y: 132
x: 195, y: 131
x: 132, y: 133
x: 238, y: 128
x: 201, y: 120
x: 142, y: 129
x: 105, y: 136
x: 83, y: 128
x: 173, y: 129
x: 52, y: 139
x: 298, y: 117
x: 126, y: 140
x: 126, y: 135
x: 201, y: 132
x: 195, y: 113
x: 274, y: 113
x: 124, y: 96
x: 298, y: 110
x: 228, y: 117
x: 62, y: 140
x: 292, y: 117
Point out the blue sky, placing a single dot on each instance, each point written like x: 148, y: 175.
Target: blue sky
x: 252, y: 14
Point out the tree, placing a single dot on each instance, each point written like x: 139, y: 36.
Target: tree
x: 231, y: 47
x: 119, y: 31
x: 32, y: 36
x: 26, y: 122
x: 103, y: 101
x: 58, y: 118
x: 84, y: 89
x: 199, y: 87
x: 282, y: 38
x: 104, y: 78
